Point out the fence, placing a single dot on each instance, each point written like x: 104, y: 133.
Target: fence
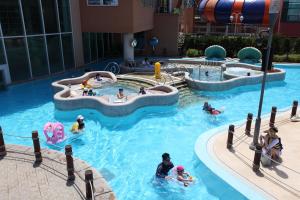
x: 70, y: 178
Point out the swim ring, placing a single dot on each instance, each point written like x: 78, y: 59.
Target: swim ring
x: 57, y: 130
x: 173, y: 175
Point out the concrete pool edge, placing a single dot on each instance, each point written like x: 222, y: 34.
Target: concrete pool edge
x: 232, y: 81
x: 54, y: 165
x: 159, y: 95
x: 203, y: 150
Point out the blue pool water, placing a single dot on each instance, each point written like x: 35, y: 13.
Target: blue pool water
x: 206, y: 73
x: 112, y: 90
x: 127, y: 149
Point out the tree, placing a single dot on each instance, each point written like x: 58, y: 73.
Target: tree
x: 297, y: 46
x: 287, y: 47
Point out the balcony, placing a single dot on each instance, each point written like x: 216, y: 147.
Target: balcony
x: 115, y: 16
x: 102, y: 2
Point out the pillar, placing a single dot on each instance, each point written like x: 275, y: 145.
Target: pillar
x: 226, y: 30
x: 170, y: 6
x: 4, y: 71
x: 127, y: 48
x: 77, y: 33
x: 208, y: 28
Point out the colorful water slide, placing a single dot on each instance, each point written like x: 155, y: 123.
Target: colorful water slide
x: 253, y: 11
x: 237, y: 10
x: 223, y: 11
x: 202, y: 6
x: 219, y: 11
x: 209, y: 11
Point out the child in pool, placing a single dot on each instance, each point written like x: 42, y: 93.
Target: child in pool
x: 183, y: 176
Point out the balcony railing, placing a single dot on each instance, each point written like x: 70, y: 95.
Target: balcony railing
x: 102, y: 2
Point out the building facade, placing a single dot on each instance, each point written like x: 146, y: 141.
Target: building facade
x: 44, y: 37
x: 36, y: 38
x: 289, y: 23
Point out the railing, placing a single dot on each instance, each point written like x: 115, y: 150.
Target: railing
x: 172, y: 68
x: 37, y: 153
x: 233, y: 144
x: 113, y: 67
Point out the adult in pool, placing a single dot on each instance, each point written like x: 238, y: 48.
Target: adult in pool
x: 120, y: 94
x: 207, y: 107
x: 213, y: 111
x: 164, y: 167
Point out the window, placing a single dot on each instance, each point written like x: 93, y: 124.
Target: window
x: 86, y: 47
x: 93, y: 42
x: 68, y: 50
x: 50, y: 16
x: 32, y: 17
x: 291, y: 11
x: 102, y: 2
x: 140, y: 38
x: 100, y: 45
x: 17, y: 59
x: 64, y: 15
x: 10, y: 18
x: 37, y: 52
x: 54, y: 52
x: 2, y: 57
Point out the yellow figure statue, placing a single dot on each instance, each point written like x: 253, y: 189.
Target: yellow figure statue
x: 157, y: 70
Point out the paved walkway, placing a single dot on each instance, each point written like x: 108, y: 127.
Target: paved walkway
x: 281, y: 181
x: 19, y: 180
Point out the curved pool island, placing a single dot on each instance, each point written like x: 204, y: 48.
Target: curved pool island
x: 69, y: 95
x: 235, y: 75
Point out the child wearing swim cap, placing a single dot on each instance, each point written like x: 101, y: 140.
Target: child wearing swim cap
x: 183, y: 176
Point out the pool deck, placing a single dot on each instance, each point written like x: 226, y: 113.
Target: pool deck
x: 20, y: 180
x: 280, y: 181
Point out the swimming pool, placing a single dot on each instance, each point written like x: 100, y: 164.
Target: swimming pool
x: 204, y: 73
x: 127, y: 150
x: 112, y: 90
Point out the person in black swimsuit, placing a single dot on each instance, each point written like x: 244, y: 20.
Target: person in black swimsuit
x: 164, y: 167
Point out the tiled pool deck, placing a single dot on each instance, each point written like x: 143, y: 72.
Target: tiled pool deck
x: 21, y: 181
x: 281, y: 181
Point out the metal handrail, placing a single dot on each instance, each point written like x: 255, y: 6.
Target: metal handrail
x: 170, y: 76
x: 113, y: 67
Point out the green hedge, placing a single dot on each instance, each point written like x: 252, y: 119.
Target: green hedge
x: 295, y: 58
x: 233, y: 44
x: 193, y: 53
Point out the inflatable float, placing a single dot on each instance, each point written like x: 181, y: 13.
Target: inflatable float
x: 57, y: 131
x: 174, y: 174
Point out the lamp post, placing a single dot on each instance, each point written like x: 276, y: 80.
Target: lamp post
x: 234, y: 17
x: 275, y: 6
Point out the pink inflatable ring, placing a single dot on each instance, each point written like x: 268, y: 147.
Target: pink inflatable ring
x: 57, y: 130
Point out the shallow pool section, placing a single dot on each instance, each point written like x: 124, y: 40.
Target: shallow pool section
x: 205, y: 73
x: 240, y: 71
x: 112, y: 90
x: 127, y: 150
